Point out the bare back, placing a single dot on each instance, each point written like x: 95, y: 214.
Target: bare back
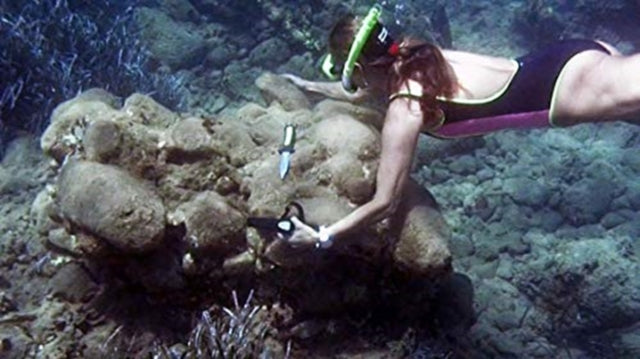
x: 479, y: 76
x: 598, y: 87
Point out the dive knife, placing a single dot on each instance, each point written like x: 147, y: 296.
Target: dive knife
x: 286, y: 150
x: 282, y: 225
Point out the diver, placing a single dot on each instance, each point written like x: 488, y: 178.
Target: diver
x: 449, y: 94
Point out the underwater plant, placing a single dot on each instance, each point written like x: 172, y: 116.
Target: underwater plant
x: 239, y: 332
x: 53, y: 49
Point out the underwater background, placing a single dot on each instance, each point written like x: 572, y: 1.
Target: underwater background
x: 544, y: 224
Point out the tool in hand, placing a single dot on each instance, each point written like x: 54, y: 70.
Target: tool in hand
x: 286, y: 150
x: 282, y: 225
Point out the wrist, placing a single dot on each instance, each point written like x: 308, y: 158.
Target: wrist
x: 325, y: 238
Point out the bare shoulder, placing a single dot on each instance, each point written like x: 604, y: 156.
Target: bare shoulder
x: 408, y: 90
x: 408, y: 103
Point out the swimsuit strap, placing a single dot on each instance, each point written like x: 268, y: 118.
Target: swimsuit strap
x: 405, y: 94
x: 412, y: 96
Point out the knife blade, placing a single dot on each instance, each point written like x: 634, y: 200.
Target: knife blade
x: 288, y: 143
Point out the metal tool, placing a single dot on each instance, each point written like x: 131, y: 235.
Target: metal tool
x: 287, y: 149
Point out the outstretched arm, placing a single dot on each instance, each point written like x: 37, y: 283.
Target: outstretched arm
x: 400, y: 133
x: 329, y: 89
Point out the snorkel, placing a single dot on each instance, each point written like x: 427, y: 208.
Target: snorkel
x: 359, y: 41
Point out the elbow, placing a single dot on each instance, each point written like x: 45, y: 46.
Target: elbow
x: 387, y: 206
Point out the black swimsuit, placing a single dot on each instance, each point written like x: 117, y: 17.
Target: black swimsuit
x: 526, y: 100
x: 531, y: 87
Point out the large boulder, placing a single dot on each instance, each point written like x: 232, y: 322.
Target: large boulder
x: 422, y: 247
x: 277, y: 88
x: 111, y: 204
x: 211, y: 223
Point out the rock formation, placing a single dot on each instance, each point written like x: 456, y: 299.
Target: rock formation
x: 138, y: 180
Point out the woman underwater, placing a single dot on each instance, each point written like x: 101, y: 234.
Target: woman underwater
x: 446, y: 93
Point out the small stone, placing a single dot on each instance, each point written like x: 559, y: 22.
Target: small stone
x: 587, y: 201
x: 461, y: 246
x: 611, y: 220
x: 505, y: 269
x: 485, y: 174
x: 464, y: 165
x: 188, y: 264
x: 5, y: 345
x: 101, y: 140
x: 526, y: 191
x: 7, y: 303
x: 241, y: 263
x: 550, y: 220
x: 72, y: 282
x: 270, y: 53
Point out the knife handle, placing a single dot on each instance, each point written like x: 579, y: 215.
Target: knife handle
x: 289, y: 139
x: 282, y: 225
x: 263, y: 223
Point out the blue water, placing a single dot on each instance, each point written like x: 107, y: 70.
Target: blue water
x: 545, y: 223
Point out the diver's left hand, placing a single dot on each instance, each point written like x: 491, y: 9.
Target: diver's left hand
x: 303, y: 234
x: 298, y: 81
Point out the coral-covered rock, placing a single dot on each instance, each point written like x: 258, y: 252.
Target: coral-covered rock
x: 211, y: 223
x: 79, y: 243
x: 111, y: 204
x: 277, y: 88
x: 353, y: 179
x: 15, y: 343
x: 130, y: 165
x: 144, y: 110
x: 69, y: 120
x: 329, y: 108
x: 43, y: 211
x: 341, y: 134
x: 101, y: 140
x: 72, y: 282
x: 579, y: 209
x: 190, y: 137
x: 422, y: 247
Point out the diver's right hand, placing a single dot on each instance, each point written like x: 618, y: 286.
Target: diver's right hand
x: 303, y: 235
